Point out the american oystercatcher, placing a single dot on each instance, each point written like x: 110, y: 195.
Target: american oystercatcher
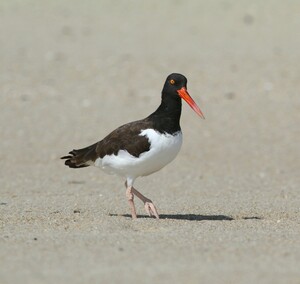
x: 142, y: 147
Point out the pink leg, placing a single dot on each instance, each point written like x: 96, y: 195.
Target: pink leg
x: 149, y: 206
x: 130, y: 198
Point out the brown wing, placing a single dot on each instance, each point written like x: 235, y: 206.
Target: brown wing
x: 126, y: 137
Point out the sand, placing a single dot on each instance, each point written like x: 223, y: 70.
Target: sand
x: 72, y: 71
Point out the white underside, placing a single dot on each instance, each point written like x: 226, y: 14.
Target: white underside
x: 164, y: 148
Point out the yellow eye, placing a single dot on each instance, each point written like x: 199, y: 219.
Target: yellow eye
x: 172, y: 82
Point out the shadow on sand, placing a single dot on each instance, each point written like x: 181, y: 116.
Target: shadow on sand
x: 191, y: 217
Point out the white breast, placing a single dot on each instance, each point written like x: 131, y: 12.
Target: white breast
x: 164, y: 148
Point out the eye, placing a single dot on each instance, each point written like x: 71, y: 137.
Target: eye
x: 172, y: 82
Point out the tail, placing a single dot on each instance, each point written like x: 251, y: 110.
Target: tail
x: 81, y: 158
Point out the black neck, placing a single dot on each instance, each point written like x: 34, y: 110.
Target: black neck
x: 167, y: 116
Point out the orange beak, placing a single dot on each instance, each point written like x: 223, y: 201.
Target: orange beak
x: 183, y: 93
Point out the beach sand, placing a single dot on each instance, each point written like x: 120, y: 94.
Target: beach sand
x: 72, y: 71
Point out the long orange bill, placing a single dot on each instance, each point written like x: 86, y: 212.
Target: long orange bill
x: 183, y: 93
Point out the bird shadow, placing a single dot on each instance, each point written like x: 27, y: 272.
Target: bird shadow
x: 188, y: 217
x: 191, y: 217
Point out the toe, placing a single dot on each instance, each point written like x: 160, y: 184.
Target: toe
x: 151, y: 210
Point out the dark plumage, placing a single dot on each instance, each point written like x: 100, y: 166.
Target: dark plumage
x: 125, y: 137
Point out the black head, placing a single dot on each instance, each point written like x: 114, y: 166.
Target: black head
x: 175, y: 89
x: 166, y: 118
x: 174, y: 82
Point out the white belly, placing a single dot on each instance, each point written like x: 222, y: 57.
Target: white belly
x: 164, y: 148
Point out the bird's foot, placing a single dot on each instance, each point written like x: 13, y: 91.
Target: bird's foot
x: 148, y: 204
x: 151, y: 209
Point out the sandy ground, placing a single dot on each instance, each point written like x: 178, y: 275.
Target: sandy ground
x: 71, y: 71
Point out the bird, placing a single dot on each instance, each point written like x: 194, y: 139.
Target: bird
x: 141, y: 147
